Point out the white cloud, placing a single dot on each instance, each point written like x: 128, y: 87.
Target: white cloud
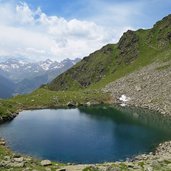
x: 34, y: 34
x: 24, y: 14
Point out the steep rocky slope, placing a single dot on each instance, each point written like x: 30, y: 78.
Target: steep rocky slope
x: 150, y: 87
x: 23, y: 77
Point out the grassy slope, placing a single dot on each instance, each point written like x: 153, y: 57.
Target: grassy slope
x: 7, y: 108
x: 45, y: 98
x: 89, y: 70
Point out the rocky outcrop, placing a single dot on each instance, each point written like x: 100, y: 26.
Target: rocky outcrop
x: 128, y: 47
x: 71, y: 104
x: 150, y: 87
x: 8, y: 117
x: 160, y: 34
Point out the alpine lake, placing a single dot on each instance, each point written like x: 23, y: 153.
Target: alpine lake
x: 86, y: 134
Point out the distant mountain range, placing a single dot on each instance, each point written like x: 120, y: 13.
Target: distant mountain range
x: 24, y: 76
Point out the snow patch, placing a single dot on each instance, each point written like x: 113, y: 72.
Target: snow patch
x: 124, y: 99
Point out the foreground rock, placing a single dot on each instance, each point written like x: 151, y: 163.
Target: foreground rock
x: 20, y: 159
x: 46, y: 163
x: 71, y: 104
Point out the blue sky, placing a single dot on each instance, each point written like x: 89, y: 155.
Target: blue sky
x: 150, y: 10
x: 59, y: 29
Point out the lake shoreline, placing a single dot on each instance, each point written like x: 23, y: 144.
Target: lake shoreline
x: 160, y: 157
x: 158, y: 154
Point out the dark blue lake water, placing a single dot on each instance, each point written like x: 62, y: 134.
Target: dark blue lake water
x: 85, y: 135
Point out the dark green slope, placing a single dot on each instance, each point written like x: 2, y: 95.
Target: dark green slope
x: 134, y: 50
x: 90, y: 70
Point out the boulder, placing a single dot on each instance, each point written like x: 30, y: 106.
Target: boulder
x: 88, y: 103
x: 71, y: 104
x: 21, y: 159
x: 16, y: 155
x: 46, y: 163
x: 138, y: 88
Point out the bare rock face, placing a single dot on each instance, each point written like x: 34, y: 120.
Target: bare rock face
x: 128, y: 46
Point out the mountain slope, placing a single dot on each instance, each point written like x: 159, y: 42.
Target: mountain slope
x: 29, y: 76
x: 6, y: 87
x: 28, y: 85
x: 148, y: 87
x: 53, y: 69
x: 134, y: 50
x: 18, y: 70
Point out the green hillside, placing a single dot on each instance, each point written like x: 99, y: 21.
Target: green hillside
x: 134, y: 50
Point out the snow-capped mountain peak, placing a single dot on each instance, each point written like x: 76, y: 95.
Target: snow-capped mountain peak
x: 45, y: 65
x: 20, y: 69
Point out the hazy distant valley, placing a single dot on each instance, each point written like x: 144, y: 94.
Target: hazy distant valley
x: 20, y: 76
